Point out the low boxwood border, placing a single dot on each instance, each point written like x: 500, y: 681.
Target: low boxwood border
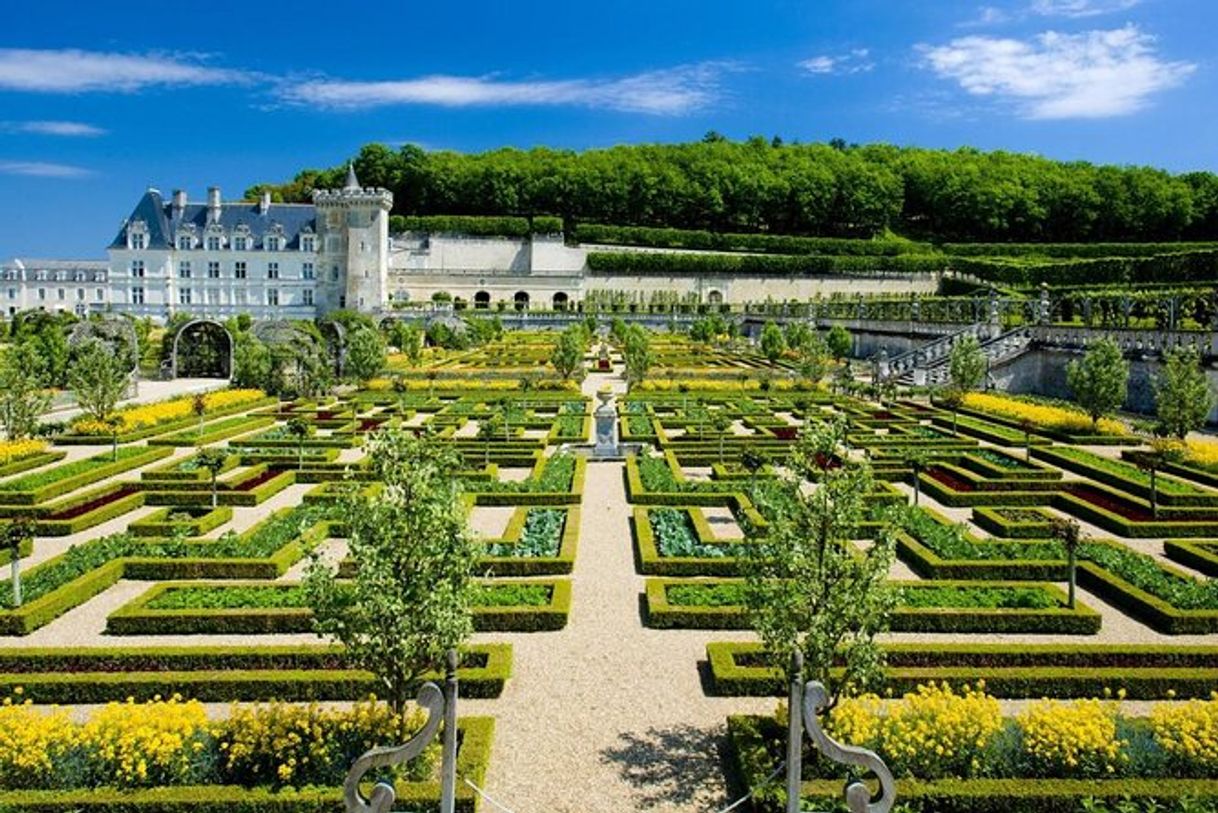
x: 31, y: 462
x: 1145, y: 672
x: 158, y: 524
x: 1082, y: 620
x: 136, y: 618
x: 218, y: 674
x: 1200, y: 556
x: 96, y: 474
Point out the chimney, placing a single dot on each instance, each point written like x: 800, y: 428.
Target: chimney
x: 264, y: 205
x: 179, y: 203
x: 213, y: 204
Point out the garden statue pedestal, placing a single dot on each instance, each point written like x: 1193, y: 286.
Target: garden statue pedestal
x: 606, y: 426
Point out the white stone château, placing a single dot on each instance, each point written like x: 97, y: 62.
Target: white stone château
x: 297, y: 261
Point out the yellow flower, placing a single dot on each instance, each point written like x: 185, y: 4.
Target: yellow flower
x: 1052, y: 417
x: 1189, y: 733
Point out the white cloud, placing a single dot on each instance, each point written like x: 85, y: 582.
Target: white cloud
x: 55, y: 128
x: 856, y: 61
x: 672, y: 91
x: 1094, y: 74
x: 42, y: 169
x: 75, y: 71
x: 1080, y: 8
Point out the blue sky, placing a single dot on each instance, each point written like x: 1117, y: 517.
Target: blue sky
x: 100, y: 100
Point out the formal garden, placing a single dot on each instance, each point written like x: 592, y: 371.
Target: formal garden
x: 222, y: 600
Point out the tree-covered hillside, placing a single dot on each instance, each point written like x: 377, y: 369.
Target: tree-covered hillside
x: 816, y: 189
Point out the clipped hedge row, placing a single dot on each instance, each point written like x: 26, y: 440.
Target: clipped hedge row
x: 219, y: 674
x: 1192, y: 496
x: 766, y: 243
x: 231, y: 496
x: 31, y: 462
x: 105, y: 468
x: 125, y: 499
x: 167, y: 426
x: 476, y: 225
x: 1145, y: 672
x: 563, y: 563
x: 1186, y: 266
x: 1200, y: 556
x: 646, y: 263
x: 212, y: 433
x: 158, y: 523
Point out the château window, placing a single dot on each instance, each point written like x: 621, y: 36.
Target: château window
x: 137, y: 296
x: 100, y: 294
x: 239, y: 296
x: 306, y: 270
x: 139, y: 240
x: 213, y: 270
x: 272, y: 296
x: 307, y: 296
x: 184, y: 296
x: 184, y: 270
x: 80, y: 294
x: 184, y: 242
x: 213, y: 243
x: 42, y: 293
x: 272, y: 270
x: 12, y: 293
x: 239, y: 244
x: 272, y: 244
x: 308, y: 243
x: 239, y: 270
x: 137, y: 268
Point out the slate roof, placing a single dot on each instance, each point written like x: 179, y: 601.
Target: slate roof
x: 294, y: 218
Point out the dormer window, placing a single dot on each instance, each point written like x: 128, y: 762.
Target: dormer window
x: 240, y: 243
x: 137, y: 235
x: 308, y: 243
x: 185, y: 243
x: 272, y: 243
x: 213, y: 242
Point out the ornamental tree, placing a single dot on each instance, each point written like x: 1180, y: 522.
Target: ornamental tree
x: 409, y: 600
x: 813, y: 356
x: 773, y: 343
x: 839, y: 341
x: 213, y: 461
x: 1183, y: 396
x: 568, y: 352
x: 967, y: 364
x: 636, y: 354
x: 14, y: 533
x: 98, y: 380
x: 807, y: 588
x: 1100, y: 380
x: 365, y: 354
x: 299, y: 429
x: 23, y: 394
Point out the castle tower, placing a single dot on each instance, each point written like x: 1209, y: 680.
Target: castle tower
x: 353, y: 258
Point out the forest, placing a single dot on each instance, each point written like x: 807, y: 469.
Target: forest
x: 767, y: 186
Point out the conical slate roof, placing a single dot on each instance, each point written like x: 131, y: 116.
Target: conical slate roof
x: 352, y: 181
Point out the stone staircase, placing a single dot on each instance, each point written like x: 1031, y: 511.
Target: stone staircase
x: 929, y: 365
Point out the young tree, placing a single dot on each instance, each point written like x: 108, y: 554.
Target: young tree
x: 967, y: 364
x: 773, y: 343
x: 917, y: 460
x: 721, y: 422
x: 213, y: 461
x: 807, y: 588
x: 252, y: 363
x: 1100, y: 380
x: 840, y: 342
x: 13, y: 534
x: 637, y: 354
x: 1067, y: 531
x: 414, y: 558
x: 300, y: 429
x: 365, y: 353
x: 98, y: 380
x: 198, y: 405
x: 1183, y: 396
x: 813, y: 355
x: 23, y: 394
x: 568, y: 353
x: 1162, y: 451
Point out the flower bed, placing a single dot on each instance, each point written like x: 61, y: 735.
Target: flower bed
x: 41, y: 486
x: 152, y: 416
x: 958, y: 606
x: 1060, y: 419
x: 1015, y: 523
x: 213, y: 431
x: 1127, y: 477
x: 190, y: 520
x: 200, y: 608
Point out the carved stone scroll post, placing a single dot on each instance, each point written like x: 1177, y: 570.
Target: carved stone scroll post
x: 805, y: 703
x: 795, y: 734
x: 440, y: 706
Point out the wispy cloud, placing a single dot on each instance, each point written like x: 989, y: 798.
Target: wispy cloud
x: 43, y: 169
x: 1094, y: 74
x: 1080, y: 8
x: 672, y: 91
x: 855, y: 61
x: 76, y: 71
x: 74, y: 129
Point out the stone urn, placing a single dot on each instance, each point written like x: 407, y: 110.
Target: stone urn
x: 606, y: 424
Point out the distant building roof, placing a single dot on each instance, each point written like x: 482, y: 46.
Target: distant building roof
x: 293, y: 218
